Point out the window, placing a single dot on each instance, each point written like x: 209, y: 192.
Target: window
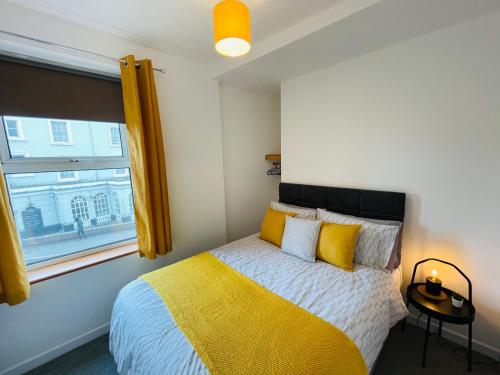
x: 76, y: 139
x: 121, y: 172
x: 114, y: 135
x: 63, y: 212
x: 65, y: 176
x: 60, y: 132
x: 14, y: 129
x: 101, y: 205
x: 80, y: 208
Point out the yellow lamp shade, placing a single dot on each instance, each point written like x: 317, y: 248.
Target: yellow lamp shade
x: 232, y: 28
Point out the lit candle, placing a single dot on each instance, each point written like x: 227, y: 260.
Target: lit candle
x: 434, y: 274
x: 433, y: 284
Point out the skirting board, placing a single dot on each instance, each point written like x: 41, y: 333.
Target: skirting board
x: 458, y: 338
x: 56, y: 351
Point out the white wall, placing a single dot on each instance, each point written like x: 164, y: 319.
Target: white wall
x: 77, y: 306
x: 422, y: 117
x: 250, y: 130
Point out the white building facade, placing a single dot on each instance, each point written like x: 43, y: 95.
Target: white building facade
x: 48, y: 205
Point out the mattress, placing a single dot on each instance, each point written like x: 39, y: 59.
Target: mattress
x: 364, y: 304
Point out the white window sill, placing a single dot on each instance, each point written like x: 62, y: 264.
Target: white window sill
x: 54, y: 270
x: 16, y: 139
x: 19, y: 175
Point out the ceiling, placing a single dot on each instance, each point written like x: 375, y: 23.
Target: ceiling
x: 179, y: 27
x: 373, y: 27
x: 290, y: 37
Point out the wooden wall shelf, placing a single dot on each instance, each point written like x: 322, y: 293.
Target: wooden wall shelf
x: 273, y: 157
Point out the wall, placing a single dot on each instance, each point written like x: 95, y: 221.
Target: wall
x: 420, y: 117
x: 250, y: 129
x: 69, y: 310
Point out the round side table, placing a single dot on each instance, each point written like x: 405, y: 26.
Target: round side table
x: 443, y: 310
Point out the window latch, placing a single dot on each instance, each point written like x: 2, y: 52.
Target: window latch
x: 73, y: 161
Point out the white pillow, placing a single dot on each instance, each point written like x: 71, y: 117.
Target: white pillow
x: 375, y: 241
x: 300, y: 238
x: 302, y: 212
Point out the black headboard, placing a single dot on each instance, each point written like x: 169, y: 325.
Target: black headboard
x: 370, y: 204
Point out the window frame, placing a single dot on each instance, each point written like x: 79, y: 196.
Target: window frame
x: 118, y: 175
x: 114, y: 126
x: 69, y: 133
x: 101, y: 205
x: 79, y: 254
x: 86, y: 206
x: 70, y: 179
x: 23, y: 175
x: 20, y: 129
x: 31, y: 165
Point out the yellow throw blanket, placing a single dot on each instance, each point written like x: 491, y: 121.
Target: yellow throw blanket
x: 238, y: 327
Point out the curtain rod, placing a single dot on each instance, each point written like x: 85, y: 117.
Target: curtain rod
x: 62, y: 46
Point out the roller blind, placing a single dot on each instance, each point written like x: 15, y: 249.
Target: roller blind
x: 41, y: 90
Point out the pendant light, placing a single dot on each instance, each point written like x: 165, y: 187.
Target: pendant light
x: 232, y: 28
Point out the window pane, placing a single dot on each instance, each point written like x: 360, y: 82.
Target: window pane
x: 57, y: 218
x: 60, y: 131
x: 62, y: 138
x: 12, y: 130
x: 67, y: 174
x: 114, y: 134
x: 121, y: 172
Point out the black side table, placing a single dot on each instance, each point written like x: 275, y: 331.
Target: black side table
x: 441, y: 310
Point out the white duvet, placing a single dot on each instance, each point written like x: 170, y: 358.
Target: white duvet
x: 365, y: 304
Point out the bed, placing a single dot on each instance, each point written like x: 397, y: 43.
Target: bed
x: 364, y: 304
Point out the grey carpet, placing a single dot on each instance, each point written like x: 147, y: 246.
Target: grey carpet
x: 89, y: 359
x: 401, y: 355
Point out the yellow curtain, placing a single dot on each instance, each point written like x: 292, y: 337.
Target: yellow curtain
x: 147, y: 158
x: 14, y: 284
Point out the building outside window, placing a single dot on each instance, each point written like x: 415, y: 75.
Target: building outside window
x: 60, y: 132
x: 60, y: 212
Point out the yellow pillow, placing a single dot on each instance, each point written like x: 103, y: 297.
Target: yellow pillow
x: 336, y: 244
x: 273, y: 226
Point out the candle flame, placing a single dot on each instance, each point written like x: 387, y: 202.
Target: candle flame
x: 434, y: 273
